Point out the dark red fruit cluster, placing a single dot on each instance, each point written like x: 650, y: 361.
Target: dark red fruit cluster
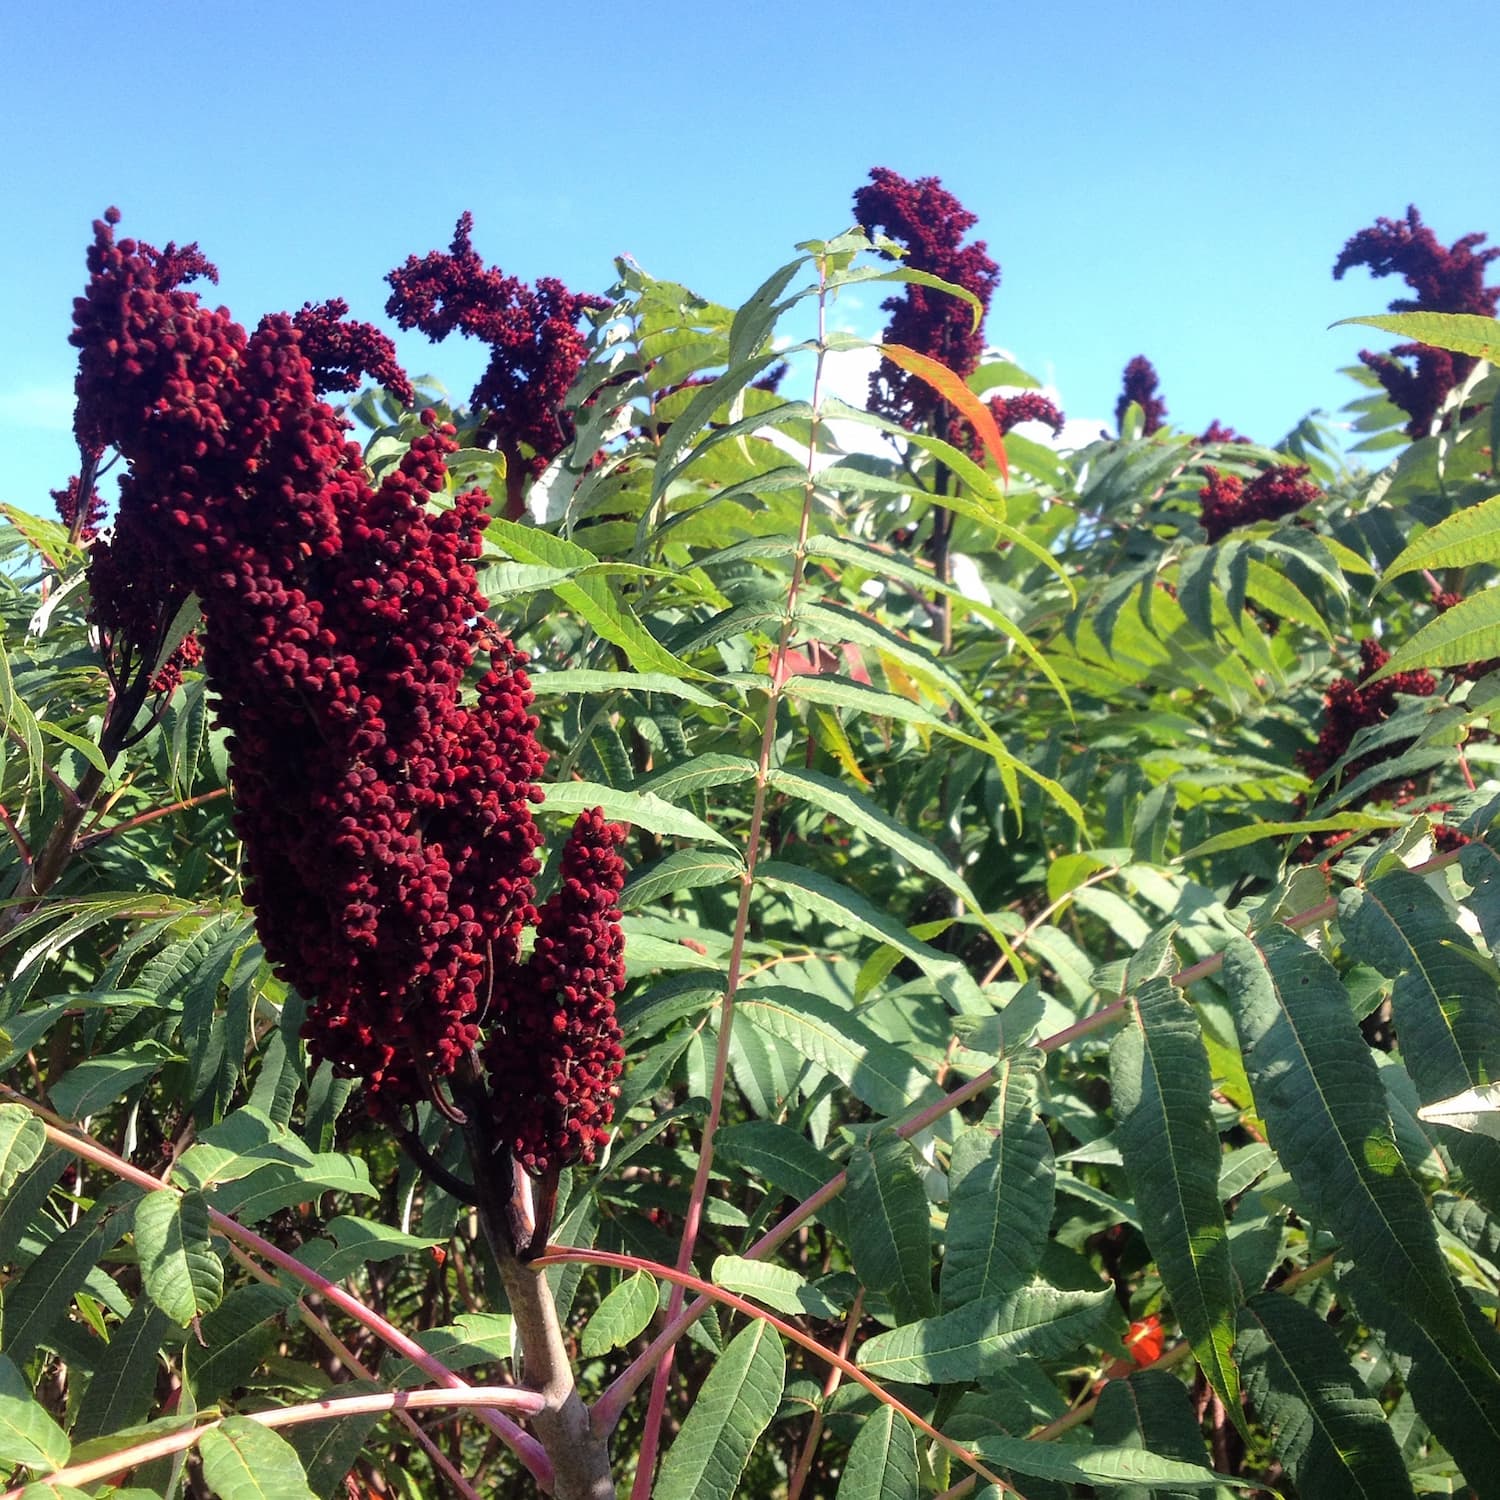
x: 1029, y: 406
x: 66, y: 501
x: 1227, y: 501
x: 383, y: 801
x: 342, y: 353
x: 1139, y: 386
x: 931, y: 223
x: 1445, y: 279
x: 1352, y: 704
x: 1217, y: 432
x: 535, y: 346
x: 556, y: 1012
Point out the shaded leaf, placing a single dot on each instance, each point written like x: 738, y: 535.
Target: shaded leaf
x: 1163, y: 1093
x: 1331, y: 1436
x: 882, y: 1462
x: 890, y: 1231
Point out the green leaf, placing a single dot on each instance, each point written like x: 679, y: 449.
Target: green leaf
x: 1463, y: 333
x: 235, y: 1338
x: 1467, y: 633
x: 882, y: 1462
x: 591, y: 596
x: 181, y: 1273
x: 1163, y: 1091
x: 643, y: 809
x: 681, y: 870
x: 845, y: 907
x: 974, y: 1340
x: 732, y: 1408
x: 621, y: 1316
x: 1442, y: 1003
x: 581, y: 680
x: 786, y: 1159
x: 281, y: 1185
x: 22, y: 1137
x: 1001, y: 1192
x: 1470, y: 535
x: 1319, y: 1093
x: 1254, y: 833
x: 778, y: 1287
x: 890, y: 1229
x: 238, y: 1145
x: 1331, y: 1436
x: 328, y: 1450
x: 39, y: 1299
x: 100, y: 1081
x: 243, y: 1460
x: 122, y: 1389
x: 1104, y: 1468
x: 27, y: 1434
x: 858, y: 811
x: 1150, y: 1409
x: 1459, y: 1401
x: 876, y: 1071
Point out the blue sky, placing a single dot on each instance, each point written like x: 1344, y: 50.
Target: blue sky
x: 1174, y: 181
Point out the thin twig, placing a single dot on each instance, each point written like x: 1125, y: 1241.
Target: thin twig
x: 327, y: 1410
x: 651, y: 1432
x: 559, y: 1255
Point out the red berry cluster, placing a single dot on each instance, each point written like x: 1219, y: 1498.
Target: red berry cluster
x: 1445, y: 279
x: 1139, y: 386
x: 556, y: 1012
x: 384, y: 804
x: 66, y: 501
x: 925, y: 217
x: 1217, y: 432
x: 1354, y: 703
x: 343, y: 353
x: 535, y: 346
x: 1029, y: 406
x: 1227, y: 501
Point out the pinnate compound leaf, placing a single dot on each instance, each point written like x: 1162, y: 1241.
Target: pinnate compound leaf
x: 733, y: 1407
x: 1162, y: 1088
x: 22, y: 1136
x: 882, y: 1463
x: 243, y: 1460
x: 890, y: 1230
x: 27, y: 1434
x: 1001, y: 1192
x: 1319, y: 1092
x: 876, y: 1071
x: 180, y: 1270
x: 1332, y: 1437
x: 976, y: 1339
x: 622, y: 1315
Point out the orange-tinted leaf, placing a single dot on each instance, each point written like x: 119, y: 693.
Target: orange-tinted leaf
x: 954, y: 391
